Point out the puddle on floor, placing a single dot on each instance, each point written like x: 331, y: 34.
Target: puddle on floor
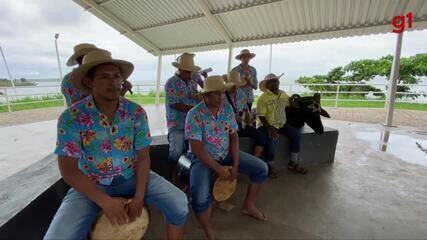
x: 410, y: 147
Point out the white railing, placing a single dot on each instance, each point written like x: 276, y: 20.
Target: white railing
x: 42, y: 94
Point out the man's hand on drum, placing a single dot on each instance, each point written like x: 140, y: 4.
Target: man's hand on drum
x: 116, y: 210
x: 135, y: 208
x: 224, y: 173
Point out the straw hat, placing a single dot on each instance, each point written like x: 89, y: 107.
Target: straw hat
x: 263, y: 83
x: 93, y: 59
x: 234, y: 77
x: 186, y: 62
x: 215, y: 83
x: 245, y: 52
x: 80, y: 50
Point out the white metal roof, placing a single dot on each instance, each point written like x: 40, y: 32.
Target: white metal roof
x: 174, y: 26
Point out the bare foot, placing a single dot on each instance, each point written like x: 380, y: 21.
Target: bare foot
x: 255, y: 213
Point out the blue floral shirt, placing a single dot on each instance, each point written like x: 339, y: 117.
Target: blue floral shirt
x: 103, y: 150
x: 71, y: 93
x: 178, y: 91
x: 212, y: 131
x: 239, y: 100
x: 252, y: 74
x: 198, y: 78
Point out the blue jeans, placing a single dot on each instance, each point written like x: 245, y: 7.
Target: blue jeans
x: 177, y: 145
x: 201, y: 177
x: 264, y: 140
x: 75, y: 216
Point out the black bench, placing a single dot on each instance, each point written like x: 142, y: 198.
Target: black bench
x: 314, y: 148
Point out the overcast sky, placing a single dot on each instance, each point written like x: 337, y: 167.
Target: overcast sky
x: 27, y: 30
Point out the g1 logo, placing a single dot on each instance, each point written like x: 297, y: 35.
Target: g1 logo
x: 399, y: 22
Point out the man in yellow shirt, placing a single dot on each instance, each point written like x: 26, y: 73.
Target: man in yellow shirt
x: 271, y: 120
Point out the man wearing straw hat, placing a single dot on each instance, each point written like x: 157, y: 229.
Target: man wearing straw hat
x: 271, y: 120
x: 211, y: 130
x: 70, y: 92
x: 181, y: 96
x: 103, y: 154
x: 239, y: 101
x: 248, y: 74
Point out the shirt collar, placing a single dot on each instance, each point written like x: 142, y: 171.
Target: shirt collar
x: 271, y: 93
x: 91, y: 106
x: 180, y: 79
x: 220, y: 110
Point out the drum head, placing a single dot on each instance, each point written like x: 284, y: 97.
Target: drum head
x: 223, y: 189
x: 134, y: 230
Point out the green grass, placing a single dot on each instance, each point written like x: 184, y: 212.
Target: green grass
x: 57, y: 101
x: 149, y: 99
x: 7, y: 83
x: 329, y: 101
x: 349, y: 104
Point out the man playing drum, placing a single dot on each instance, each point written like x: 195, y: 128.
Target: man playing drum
x: 211, y: 129
x: 103, y: 154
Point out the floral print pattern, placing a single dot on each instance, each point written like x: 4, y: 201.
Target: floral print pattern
x: 213, y: 131
x: 102, y: 148
x: 177, y: 91
x: 252, y: 74
x: 71, y: 94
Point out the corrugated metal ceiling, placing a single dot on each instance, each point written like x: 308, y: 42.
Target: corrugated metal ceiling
x: 174, y: 26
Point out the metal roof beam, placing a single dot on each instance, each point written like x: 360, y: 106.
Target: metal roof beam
x: 102, y: 4
x: 214, y: 21
x: 127, y: 30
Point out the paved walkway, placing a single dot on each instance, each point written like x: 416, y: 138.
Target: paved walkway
x: 370, y: 115
x: 377, y: 115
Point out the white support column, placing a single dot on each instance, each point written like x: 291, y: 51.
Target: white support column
x: 7, y: 69
x: 394, y: 76
x: 230, y: 58
x: 271, y: 56
x: 159, y: 74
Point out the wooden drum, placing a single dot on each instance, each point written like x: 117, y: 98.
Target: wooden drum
x: 221, y: 189
x: 103, y: 229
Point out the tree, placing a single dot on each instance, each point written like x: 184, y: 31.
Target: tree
x: 362, y: 71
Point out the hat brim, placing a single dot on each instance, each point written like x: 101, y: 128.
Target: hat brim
x: 226, y: 86
x: 238, y: 84
x: 126, y: 69
x: 263, y: 83
x: 73, y: 59
x: 252, y: 55
x: 186, y: 68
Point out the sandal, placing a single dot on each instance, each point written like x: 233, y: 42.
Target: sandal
x: 295, y: 168
x: 258, y: 216
x: 271, y: 171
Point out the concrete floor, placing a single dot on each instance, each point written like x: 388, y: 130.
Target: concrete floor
x: 365, y: 194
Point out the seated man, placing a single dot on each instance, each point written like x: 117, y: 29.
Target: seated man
x: 237, y: 98
x: 271, y: 120
x: 103, y: 154
x: 181, y: 96
x: 211, y: 129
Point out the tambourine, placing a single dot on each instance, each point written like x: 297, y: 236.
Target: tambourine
x: 103, y: 229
